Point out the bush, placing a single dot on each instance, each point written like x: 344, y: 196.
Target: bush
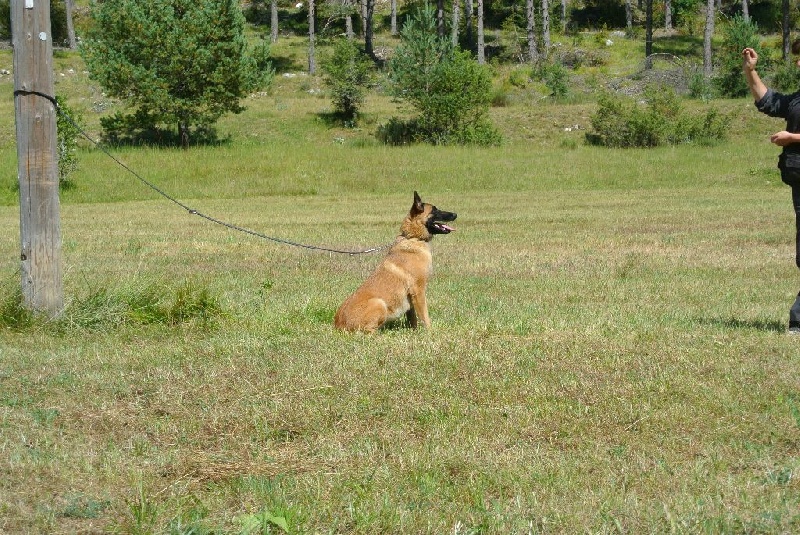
x: 700, y: 87
x: 68, y: 130
x: 623, y: 122
x: 786, y: 78
x: 455, y: 106
x: 519, y: 78
x: 348, y: 73
x: 449, y: 89
x: 555, y: 76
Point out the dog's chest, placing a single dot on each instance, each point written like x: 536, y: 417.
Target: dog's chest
x: 412, y: 258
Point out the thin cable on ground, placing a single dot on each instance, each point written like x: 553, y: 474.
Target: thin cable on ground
x: 184, y: 206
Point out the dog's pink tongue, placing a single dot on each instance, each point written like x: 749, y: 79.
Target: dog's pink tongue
x: 448, y: 228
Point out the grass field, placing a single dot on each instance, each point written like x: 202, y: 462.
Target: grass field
x: 608, y: 351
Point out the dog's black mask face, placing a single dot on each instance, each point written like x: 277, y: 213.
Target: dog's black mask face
x: 431, y: 217
x: 435, y: 223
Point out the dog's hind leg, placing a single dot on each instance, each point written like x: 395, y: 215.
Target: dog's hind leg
x: 374, y: 315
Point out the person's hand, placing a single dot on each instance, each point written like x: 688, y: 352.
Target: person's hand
x: 784, y: 138
x: 749, y: 59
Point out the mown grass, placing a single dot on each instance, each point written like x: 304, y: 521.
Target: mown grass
x: 608, y: 351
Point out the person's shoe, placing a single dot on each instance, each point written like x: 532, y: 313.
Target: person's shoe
x: 794, y: 330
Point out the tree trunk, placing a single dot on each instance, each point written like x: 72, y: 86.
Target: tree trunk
x: 348, y: 26
x: 708, y: 66
x: 469, y: 8
x: 745, y: 11
x: 273, y: 21
x: 312, y: 59
x: 545, y: 28
x: 668, y: 15
x: 530, y: 15
x: 786, y: 30
x: 73, y: 43
x: 628, y: 14
x: 183, y: 134
x: 564, y: 16
x: 394, y: 17
x: 369, y: 47
x: 481, y: 51
x: 454, y: 29
x: 440, y: 17
x: 363, y: 10
x: 648, y: 38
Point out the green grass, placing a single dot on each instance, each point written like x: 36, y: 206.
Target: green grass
x: 607, y: 352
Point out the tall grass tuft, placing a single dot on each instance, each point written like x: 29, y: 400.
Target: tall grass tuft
x: 13, y: 314
x: 146, y: 305
x: 193, y: 303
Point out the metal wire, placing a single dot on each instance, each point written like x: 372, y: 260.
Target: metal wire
x: 189, y: 209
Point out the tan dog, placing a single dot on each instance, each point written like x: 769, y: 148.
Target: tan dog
x: 398, y: 284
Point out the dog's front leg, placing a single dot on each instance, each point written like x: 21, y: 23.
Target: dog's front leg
x: 419, y: 304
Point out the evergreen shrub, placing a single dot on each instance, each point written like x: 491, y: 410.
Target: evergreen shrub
x: 347, y: 73
x: 738, y: 34
x: 448, y: 88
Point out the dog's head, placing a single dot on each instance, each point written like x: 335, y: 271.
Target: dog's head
x: 425, y: 220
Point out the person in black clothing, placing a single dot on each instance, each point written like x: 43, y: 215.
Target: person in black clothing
x: 785, y: 106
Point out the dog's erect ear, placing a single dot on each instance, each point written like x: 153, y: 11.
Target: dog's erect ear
x: 417, y: 207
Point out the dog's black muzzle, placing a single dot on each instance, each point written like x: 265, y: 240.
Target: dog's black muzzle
x: 436, y: 222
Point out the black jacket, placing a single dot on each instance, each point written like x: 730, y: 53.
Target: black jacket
x: 786, y: 107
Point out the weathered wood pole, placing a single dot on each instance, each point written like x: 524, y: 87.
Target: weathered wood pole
x: 37, y: 159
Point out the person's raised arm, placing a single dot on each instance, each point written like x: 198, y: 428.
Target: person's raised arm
x: 749, y: 61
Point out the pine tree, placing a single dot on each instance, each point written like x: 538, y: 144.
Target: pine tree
x: 451, y: 91
x: 182, y: 63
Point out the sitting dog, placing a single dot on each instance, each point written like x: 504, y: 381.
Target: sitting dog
x: 397, y: 286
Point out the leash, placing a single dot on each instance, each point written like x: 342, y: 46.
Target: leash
x: 189, y: 209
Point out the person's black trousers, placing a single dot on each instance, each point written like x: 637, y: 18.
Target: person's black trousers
x: 794, y: 312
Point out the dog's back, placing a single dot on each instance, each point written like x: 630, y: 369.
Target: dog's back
x: 398, y: 284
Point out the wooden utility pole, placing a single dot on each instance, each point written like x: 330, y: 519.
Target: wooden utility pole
x: 37, y: 159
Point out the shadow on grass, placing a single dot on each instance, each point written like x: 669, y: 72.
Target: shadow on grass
x: 680, y: 45
x: 740, y: 324
x: 284, y: 64
x: 338, y: 119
